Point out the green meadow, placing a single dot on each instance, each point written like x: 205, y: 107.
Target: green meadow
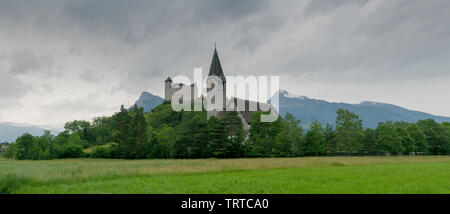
x: 396, y: 174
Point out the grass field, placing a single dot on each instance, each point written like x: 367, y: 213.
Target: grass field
x: 403, y: 174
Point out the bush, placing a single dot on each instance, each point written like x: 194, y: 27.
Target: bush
x: 72, y: 151
x: 101, y: 152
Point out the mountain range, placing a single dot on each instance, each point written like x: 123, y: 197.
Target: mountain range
x: 10, y: 131
x: 307, y: 110
x: 303, y: 108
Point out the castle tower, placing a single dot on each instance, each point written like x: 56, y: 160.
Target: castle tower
x: 216, y: 71
x: 168, y: 92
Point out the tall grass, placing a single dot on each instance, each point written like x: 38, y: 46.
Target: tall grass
x: 395, y: 178
x: 16, y: 174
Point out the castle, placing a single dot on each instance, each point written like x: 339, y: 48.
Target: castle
x: 216, y: 73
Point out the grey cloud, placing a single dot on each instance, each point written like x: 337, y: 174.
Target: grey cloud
x: 139, y: 20
x: 11, y: 89
x: 48, y: 88
x: 255, y: 32
x: 143, y: 77
x: 232, y: 10
x: 42, y: 15
x: 90, y: 75
x: 26, y: 61
x: 77, y: 105
x: 321, y: 7
x: 134, y: 45
x: 394, y: 41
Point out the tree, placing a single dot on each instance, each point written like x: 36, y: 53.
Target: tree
x: 40, y: 150
x: 166, y: 139
x: 164, y: 115
x: 122, y: 121
x: 260, y: 147
x: 217, y: 142
x: 420, y: 142
x: 233, y: 130
x: 446, y: 136
x: 436, y: 136
x: 193, y: 136
x: 260, y: 129
x: 47, y: 147
x: 349, y: 131
x: 77, y: 126
x: 330, y: 140
x: 102, y: 130
x: 73, y: 147
x: 261, y: 136
x: 138, y: 135
x: 406, y: 140
x: 11, y: 151
x: 72, y: 151
x: 24, y: 144
x: 369, y: 143
x: 84, y: 129
x: 388, y: 140
x: 288, y: 143
x: 57, y: 148
x: 75, y: 139
x: 315, y: 140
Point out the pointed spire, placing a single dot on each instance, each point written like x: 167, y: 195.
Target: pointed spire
x: 216, y: 68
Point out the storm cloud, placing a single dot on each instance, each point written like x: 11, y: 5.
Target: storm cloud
x: 76, y: 59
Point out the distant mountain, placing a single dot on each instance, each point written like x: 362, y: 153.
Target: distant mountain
x: 308, y: 110
x: 148, y: 101
x: 10, y: 131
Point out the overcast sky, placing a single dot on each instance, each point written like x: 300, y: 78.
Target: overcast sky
x: 65, y: 60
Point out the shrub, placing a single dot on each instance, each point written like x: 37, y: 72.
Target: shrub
x: 101, y: 152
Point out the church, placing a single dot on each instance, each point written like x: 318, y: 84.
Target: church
x: 216, y: 73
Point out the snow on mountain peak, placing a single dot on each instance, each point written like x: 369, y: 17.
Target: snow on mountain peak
x: 286, y: 93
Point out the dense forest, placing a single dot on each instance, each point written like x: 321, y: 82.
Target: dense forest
x: 164, y: 133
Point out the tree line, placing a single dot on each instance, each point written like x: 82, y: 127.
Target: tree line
x: 164, y: 133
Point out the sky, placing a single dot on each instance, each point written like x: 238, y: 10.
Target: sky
x: 62, y: 60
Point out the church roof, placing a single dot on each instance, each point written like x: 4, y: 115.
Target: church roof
x: 216, y: 68
x: 168, y: 79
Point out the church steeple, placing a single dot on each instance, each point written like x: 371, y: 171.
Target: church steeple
x: 216, y: 68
